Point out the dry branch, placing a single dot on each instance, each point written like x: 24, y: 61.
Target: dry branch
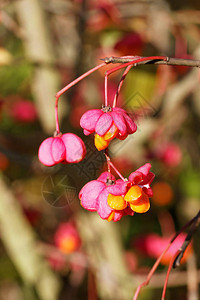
x: 40, y: 52
x: 168, y: 61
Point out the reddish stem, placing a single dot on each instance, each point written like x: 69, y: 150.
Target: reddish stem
x: 168, y: 272
x: 135, y: 61
x: 63, y: 90
x: 108, y: 162
x: 162, y: 254
x: 120, y: 84
x: 114, y: 168
x: 151, y: 272
x: 106, y: 89
x: 118, y: 173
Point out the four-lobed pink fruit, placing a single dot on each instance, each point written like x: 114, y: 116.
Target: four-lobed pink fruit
x: 66, y: 148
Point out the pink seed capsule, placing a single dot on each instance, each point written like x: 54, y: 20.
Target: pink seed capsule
x: 52, y: 151
x: 103, y: 121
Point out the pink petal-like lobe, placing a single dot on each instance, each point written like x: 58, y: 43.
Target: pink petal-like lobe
x: 148, y: 191
x: 75, y: 148
x: 118, y: 215
x: 58, y: 150
x: 119, y: 122
x: 149, y: 178
x: 104, y: 176
x: 142, y: 172
x: 117, y: 189
x: 119, y: 109
x: 130, y: 124
x: 145, y: 169
x: 103, y: 124
x: 87, y: 132
x: 124, y: 212
x: 51, y: 151
x: 136, y: 177
x: 103, y: 208
x: 89, y: 119
x: 90, y: 193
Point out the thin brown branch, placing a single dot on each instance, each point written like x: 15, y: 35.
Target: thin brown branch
x: 168, y: 61
x: 40, y: 50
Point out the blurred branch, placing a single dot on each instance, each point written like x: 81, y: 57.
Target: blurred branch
x: 178, y: 92
x: 21, y: 245
x: 39, y: 49
x: 10, y: 24
x: 192, y: 278
x: 177, y: 278
x: 105, y: 252
x: 186, y: 16
x: 168, y: 272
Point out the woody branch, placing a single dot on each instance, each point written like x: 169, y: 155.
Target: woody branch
x: 160, y: 61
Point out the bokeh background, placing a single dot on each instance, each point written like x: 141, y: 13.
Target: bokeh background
x: 50, y: 248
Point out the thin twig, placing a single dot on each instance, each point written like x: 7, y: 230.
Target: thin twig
x: 187, y: 241
x: 151, y: 272
x: 67, y: 87
x: 114, y: 168
x: 106, y: 89
x: 175, y: 260
x: 108, y: 162
x: 160, y: 61
x: 168, y: 272
x: 10, y: 24
x: 120, y: 84
x: 195, y: 220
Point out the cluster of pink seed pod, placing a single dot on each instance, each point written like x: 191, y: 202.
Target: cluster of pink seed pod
x: 107, y: 123
x: 111, y: 198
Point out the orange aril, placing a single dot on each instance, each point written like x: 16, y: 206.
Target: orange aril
x: 141, y: 205
x: 100, y: 142
x: 111, y: 133
x: 111, y: 216
x: 116, y: 202
x: 133, y: 193
x: 138, y: 200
